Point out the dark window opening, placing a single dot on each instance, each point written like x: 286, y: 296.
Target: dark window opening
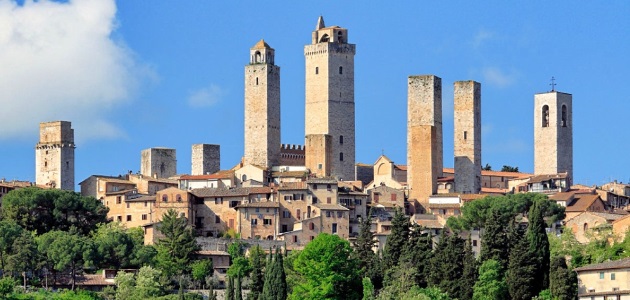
x: 340, y: 70
x: 545, y: 116
x: 465, y: 134
x: 564, y: 115
x: 341, y: 139
x: 316, y: 70
x: 341, y: 156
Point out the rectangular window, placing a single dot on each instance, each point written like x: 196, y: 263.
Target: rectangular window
x: 316, y: 70
x: 297, y: 214
x: 233, y: 204
x: 612, y: 276
x: 118, y: 200
x: 314, y: 200
x: 145, y: 204
x: 285, y: 228
x: 465, y: 134
x: 144, y: 217
x: 376, y: 197
x: 254, y: 221
x: 357, y: 201
x: 295, y: 238
x: 334, y: 228
x: 127, y: 204
x: 393, y: 197
x: 286, y: 214
x: 328, y: 200
x: 474, y: 243
x: 119, y: 218
x: 217, y: 219
x: 340, y: 214
x: 128, y: 218
x: 601, y: 275
x: 328, y: 187
x: 340, y: 70
x: 218, y: 200
x: 267, y: 222
x: 328, y: 214
x: 288, y: 197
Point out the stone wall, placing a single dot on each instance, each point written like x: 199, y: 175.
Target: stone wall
x: 158, y: 162
x: 553, y: 136
x: 318, y: 154
x: 467, y: 136
x: 206, y: 159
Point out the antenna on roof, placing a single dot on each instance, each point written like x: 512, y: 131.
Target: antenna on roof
x: 553, y: 84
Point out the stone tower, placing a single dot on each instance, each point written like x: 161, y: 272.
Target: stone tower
x: 467, y: 137
x: 158, y: 162
x: 262, y: 107
x: 206, y: 159
x: 54, y: 155
x: 424, y: 136
x: 329, y: 108
x: 553, y: 133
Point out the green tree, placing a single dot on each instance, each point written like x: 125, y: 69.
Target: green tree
x: 364, y: 245
x: 143, y: 255
x: 257, y: 260
x: 562, y: 281
x: 490, y: 285
x: 177, y: 246
x: 368, y: 289
x: 275, y: 285
x: 200, y: 270
x: 7, y: 285
x: 509, y: 169
x: 447, y: 265
x: 417, y: 253
x: 25, y: 256
x: 397, y: 239
x: 229, y: 290
x: 41, y: 210
x: 521, y: 273
x: 9, y: 231
x: 125, y: 285
x: 539, y: 245
x: 148, y: 283
x: 470, y: 275
x: 327, y: 269
x: 238, y: 291
x: 495, y: 244
x: 114, y: 246
x: 487, y: 167
x: 66, y: 251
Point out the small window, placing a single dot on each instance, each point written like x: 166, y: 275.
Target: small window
x: 45, y: 164
x: 146, y: 204
x: 319, y: 166
x: 327, y: 214
x: 341, y: 139
x: 286, y: 214
x: 295, y: 239
x: 601, y: 275
x: 128, y: 218
x: 118, y: 200
x: 316, y: 70
x: 119, y: 218
x: 266, y: 221
x: 312, y: 237
x: 328, y: 187
x: 474, y: 243
x: 256, y: 80
x: 340, y: 214
x: 164, y: 198
x: 254, y: 221
x: 311, y: 226
x: 564, y: 116
x: 612, y: 276
x: 340, y: 70
x: 376, y: 196
x: 328, y: 200
x: 341, y: 156
x: 127, y: 204
x: 393, y: 197
x: 334, y: 228
x: 179, y: 197
x: 297, y: 214
x: 217, y: 219
x: 465, y: 134
x: 257, y: 209
x: 314, y: 186
x: 144, y: 217
x: 244, y: 177
x: 545, y: 116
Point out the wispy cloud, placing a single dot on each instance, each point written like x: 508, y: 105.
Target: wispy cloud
x: 498, y: 77
x: 207, y: 96
x: 59, y: 62
x: 480, y: 37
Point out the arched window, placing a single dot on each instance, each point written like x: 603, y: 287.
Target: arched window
x: 164, y: 198
x: 257, y: 57
x: 585, y: 227
x: 311, y: 226
x: 340, y: 37
x: 244, y: 177
x: 545, y: 116
x: 340, y: 156
x: 341, y: 139
x: 325, y: 38
x: 564, y: 115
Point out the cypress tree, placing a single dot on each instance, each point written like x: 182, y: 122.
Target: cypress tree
x: 562, y: 281
x: 417, y: 252
x: 395, y: 243
x: 470, y: 273
x: 275, y: 286
x: 281, y: 277
x: 238, y: 292
x: 229, y: 291
x: 257, y: 277
x: 539, y: 245
x: 364, y: 244
x: 494, y: 243
x: 521, y: 273
x: 447, y: 265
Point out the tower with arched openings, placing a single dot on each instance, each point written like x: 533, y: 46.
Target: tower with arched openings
x: 553, y: 133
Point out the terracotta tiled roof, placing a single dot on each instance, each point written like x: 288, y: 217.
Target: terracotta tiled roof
x: 429, y: 223
x: 541, y: 178
x: 471, y: 197
x: 401, y: 167
x: 300, y: 174
x: 162, y: 180
x: 117, y: 180
x: 322, y: 180
x: 141, y: 198
x: 487, y: 190
x: 293, y: 186
x: 118, y: 192
x: 444, y: 205
x: 204, y: 177
x: 505, y: 174
x: 615, y: 264
x: 232, y: 192
x: 330, y: 206
x: 607, y: 216
x: 446, y: 179
x: 213, y: 252
x: 582, y: 203
x: 261, y: 45
x: 269, y: 204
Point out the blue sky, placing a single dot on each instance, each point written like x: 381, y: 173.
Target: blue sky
x: 132, y: 75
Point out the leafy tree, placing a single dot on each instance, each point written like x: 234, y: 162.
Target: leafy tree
x: 201, y: 269
x: 114, y: 246
x: 562, y: 281
x: 539, y: 245
x: 177, y: 246
x: 143, y: 255
x: 229, y: 290
x: 9, y: 231
x: 7, y: 285
x: 257, y: 260
x: 495, y: 244
x: 402, y: 279
x: 487, y: 167
x: 41, y: 210
x: 327, y: 270
x: 417, y: 253
x: 66, y: 251
x: 238, y: 291
x: 25, y: 255
x: 521, y: 273
x: 490, y: 285
x: 509, y: 169
x: 395, y: 242
x: 148, y: 283
x: 368, y: 289
x: 125, y: 285
x: 447, y: 265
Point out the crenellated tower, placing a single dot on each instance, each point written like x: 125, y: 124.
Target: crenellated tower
x: 329, y: 109
x: 54, y: 155
x: 262, y: 108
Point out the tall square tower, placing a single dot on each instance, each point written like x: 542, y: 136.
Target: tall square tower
x: 206, y: 159
x: 424, y: 136
x: 158, y: 162
x: 553, y: 133
x: 329, y: 108
x: 467, y: 136
x: 262, y: 108
x: 54, y: 155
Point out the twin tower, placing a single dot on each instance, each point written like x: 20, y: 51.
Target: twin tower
x: 329, y: 112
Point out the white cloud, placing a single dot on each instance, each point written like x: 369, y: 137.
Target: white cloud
x: 59, y: 62
x: 497, y: 77
x: 480, y: 37
x: 207, y: 96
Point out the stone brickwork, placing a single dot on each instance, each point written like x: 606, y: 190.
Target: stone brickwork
x: 467, y: 135
x: 262, y: 108
x: 206, y: 159
x: 553, y: 133
x: 318, y: 154
x: 329, y: 107
x: 424, y: 136
x: 54, y: 155
x: 158, y: 162
x: 292, y: 155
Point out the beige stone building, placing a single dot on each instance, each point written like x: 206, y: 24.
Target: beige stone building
x: 205, y: 159
x: 258, y: 220
x: 158, y: 162
x: 620, y: 227
x: 424, y: 136
x: 467, y: 137
x: 607, y: 280
x: 262, y: 108
x: 130, y: 208
x: 98, y: 186
x: 553, y: 134
x: 329, y: 108
x: 588, y: 225
x: 54, y: 155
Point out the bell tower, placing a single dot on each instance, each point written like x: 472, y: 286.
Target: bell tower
x: 329, y: 108
x: 553, y: 133
x: 262, y: 107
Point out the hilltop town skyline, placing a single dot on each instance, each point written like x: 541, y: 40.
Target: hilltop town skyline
x: 205, y: 105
